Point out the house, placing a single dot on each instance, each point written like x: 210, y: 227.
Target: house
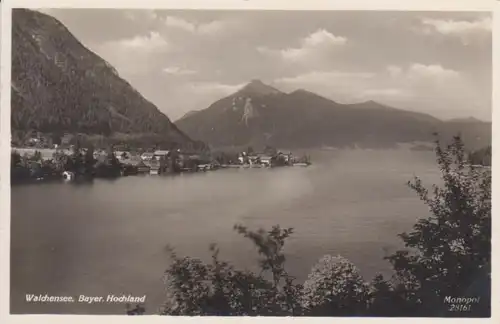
x: 147, y: 156
x: 134, y: 165
x: 242, y: 158
x: 66, y: 139
x: 161, y: 153
x: 265, y: 159
x: 189, y: 155
x: 155, y: 167
x: 33, y: 141
x: 159, y: 161
x: 253, y: 158
x: 285, y: 155
x: 142, y: 167
x: 194, y: 157
x: 98, y: 153
x: 122, y: 155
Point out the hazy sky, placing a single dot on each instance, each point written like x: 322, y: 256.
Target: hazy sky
x: 433, y: 62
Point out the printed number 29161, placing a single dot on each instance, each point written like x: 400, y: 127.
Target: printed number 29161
x: 460, y: 308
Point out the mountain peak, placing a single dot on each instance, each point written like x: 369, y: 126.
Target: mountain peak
x: 257, y: 87
x: 372, y: 104
x: 189, y: 113
x: 302, y: 91
x: 257, y: 82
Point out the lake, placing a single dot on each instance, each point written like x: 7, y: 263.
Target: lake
x: 110, y: 237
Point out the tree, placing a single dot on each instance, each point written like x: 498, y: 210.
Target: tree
x: 113, y: 166
x: 111, y: 158
x: 451, y: 249
x: 75, y: 163
x: 37, y: 156
x: 89, y: 161
x: 61, y: 161
x: 196, y: 288
x: 135, y: 310
x: 278, y: 160
x: 386, y: 299
x: 56, y: 138
x: 174, y: 161
x: 15, y: 159
x: 335, y: 288
x: 19, y: 169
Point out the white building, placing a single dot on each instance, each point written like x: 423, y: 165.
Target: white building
x: 159, y: 154
x: 265, y: 159
x: 147, y: 156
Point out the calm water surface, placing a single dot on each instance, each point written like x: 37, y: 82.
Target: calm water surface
x: 109, y: 237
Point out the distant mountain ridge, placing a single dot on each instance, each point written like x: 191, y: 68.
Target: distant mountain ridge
x: 465, y: 120
x: 260, y: 115
x: 59, y: 86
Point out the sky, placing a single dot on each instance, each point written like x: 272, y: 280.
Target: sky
x: 181, y: 60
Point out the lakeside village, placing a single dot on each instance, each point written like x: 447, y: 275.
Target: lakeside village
x: 80, y: 163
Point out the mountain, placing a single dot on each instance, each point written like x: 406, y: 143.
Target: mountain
x: 259, y: 115
x: 482, y: 156
x: 477, y: 134
x: 189, y: 113
x: 60, y: 86
x: 258, y: 88
x: 465, y: 120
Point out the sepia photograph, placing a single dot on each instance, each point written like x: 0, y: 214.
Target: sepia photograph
x: 209, y: 162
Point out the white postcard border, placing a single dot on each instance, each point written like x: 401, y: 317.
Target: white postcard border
x: 403, y: 5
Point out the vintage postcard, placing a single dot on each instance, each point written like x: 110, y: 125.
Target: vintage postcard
x: 248, y: 158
